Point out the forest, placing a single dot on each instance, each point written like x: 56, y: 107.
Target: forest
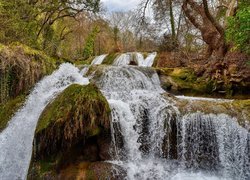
x: 152, y: 89
x: 79, y: 29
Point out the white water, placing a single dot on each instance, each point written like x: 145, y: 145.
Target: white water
x: 215, y: 143
x: 123, y: 59
x: 148, y: 62
x: 16, y: 139
x: 208, y: 146
x: 98, y: 59
x: 127, y: 58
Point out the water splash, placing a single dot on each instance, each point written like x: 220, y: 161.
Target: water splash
x: 98, y: 59
x: 16, y: 139
x: 123, y: 59
x: 135, y: 59
x: 148, y: 62
x: 152, y: 140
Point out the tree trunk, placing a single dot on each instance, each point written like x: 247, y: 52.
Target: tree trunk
x: 212, y: 32
x: 172, y: 20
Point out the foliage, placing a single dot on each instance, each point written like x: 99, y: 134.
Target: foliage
x: 20, y: 68
x: 40, y: 24
x: 17, y: 19
x: 238, y: 30
x: 90, y: 43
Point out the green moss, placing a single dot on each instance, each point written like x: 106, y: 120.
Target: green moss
x: 185, y: 81
x: 78, y: 113
x: 145, y: 55
x: 8, y: 109
x: 2, y: 47
x: 110, y: 58
x: 72, y: 98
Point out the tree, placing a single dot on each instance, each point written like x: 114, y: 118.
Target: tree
x: 39, y: 23
x: 238, y: 31
x: 90, y: 43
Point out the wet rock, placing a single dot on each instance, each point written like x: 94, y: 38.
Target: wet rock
x: 73, y: 128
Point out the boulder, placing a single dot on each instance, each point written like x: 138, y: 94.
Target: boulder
x: 74, y: 128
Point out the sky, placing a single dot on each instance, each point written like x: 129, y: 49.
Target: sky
x: 120, y: 5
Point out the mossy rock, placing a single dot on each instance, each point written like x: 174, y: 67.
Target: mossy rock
x: 184, y: 81
x: 8, y: 109
x: 79, y: 112
x: 68, y: 130
x: 87, y: 171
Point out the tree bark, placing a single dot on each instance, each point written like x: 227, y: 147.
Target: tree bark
x: 212, y: 32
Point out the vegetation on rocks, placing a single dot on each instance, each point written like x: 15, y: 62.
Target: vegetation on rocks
x: 21, y: 67
x: 183, y: 80
x: 71, y: 129
x: 186, y: 81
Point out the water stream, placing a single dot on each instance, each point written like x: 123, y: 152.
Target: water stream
x: 16, y: 139
x: 153, y: 140
x: 136, y: 59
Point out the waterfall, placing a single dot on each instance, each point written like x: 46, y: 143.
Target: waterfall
x: 148, y: 62
x: 153, y: 140
x: 16, y: 139
x: 135, y: 59
x: 98, y: 59
x: 123, y: 59
x: 215, y: 143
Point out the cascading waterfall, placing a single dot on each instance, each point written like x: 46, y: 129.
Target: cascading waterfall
x: 139, y: 114
x: 123, y: 59
x: 16, y: 139
x: 152, y: 140
x: 96, y: 61
x: 148, y: 62
x: 135, y: 58
x: 215, y: 143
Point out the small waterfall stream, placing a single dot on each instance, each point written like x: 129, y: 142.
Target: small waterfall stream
x: 151, y: 138
x: 16, y: 139
x: 135, y: 58
x: 98, y: 59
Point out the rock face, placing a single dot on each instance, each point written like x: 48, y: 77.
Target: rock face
x: 198, y: 112
x: 187, y: 82
x: 73, y: 133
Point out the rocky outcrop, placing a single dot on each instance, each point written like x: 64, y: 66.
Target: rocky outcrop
x: 185, y: 81
x: 73, y: 137
x: 240, y: 109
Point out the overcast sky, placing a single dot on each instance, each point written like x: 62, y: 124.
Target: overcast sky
x: 120, y: 5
